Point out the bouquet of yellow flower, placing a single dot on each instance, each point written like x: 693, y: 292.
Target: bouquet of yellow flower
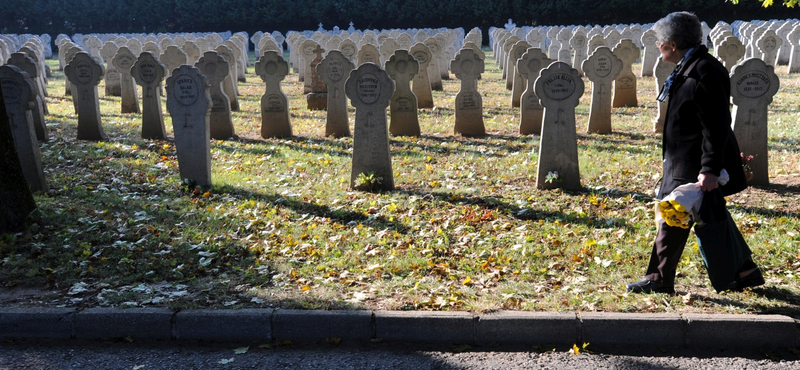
x: 682, y: 205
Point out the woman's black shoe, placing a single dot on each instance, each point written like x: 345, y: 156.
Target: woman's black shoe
x: 647, y: 286
x: 750, y: 280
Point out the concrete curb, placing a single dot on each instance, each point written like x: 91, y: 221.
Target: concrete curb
x: 505, y: 327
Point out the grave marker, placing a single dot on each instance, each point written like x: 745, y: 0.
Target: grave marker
x: 27, y: 65
x: 768, y: 45
x: 625, y: 84
x: 84, y: 72
x: 369, y: 89
x: 18, y: 201
x: 559, y: 88
x: 662, y: 70
x: 18, y: 94
x: 215, y: 68
x: 189, y: 104
x: 149, y: 72
x: 317, y: 99
x: 275, y: 121
x: 467, y: 66
x: 730, y: 51
x: 402, y: 67
x: 753, y: 84
x: 531, y: 111
x: 421, y: 84
x: 602, y: 69
x: 651, y: 53
x: 334, y: 70
x: 123, y: 61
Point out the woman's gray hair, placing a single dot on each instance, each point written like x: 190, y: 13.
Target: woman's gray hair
x: 682, y: 27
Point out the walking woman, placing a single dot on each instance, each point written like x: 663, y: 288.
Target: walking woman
x: 698, y: 144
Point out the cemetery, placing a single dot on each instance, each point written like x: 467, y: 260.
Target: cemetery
x: 401, y: 169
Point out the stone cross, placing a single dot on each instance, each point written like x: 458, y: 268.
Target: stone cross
x: 334, y: 70
x: 559, y: 88
x: 579, y: 43
x: 768, y: 45
x: 112, y: 76
x: 369, y: 89
x: 275, y: 121
x: 602, y: 69
x: 555, y: 45
x: 794, y: 55
x: 216, y: 68
x: 518, y: 83
x: 18, y: 94
x: 730, y: 51
x: 662, y: 70
x: 27, y: 65
x: 387, y: 49
x: 651, y: 52
x: 149, y: 73
x: 613, y: 37
x: 402, y: 67
x: 405, y: 41
x: 535, y: 38
x: 625, y: 84
x: 229, y: 83
x: 753, y: 84
x: 123, y: 61
x: 564, y: 52
x: 531, y: 112
x: 421, y: 84
x: 84, y: 72
x: 189, y: 104
x: 467, y: 66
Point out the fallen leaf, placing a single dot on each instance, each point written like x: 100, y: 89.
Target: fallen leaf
x: 241, y: 350
x: 226, y: 361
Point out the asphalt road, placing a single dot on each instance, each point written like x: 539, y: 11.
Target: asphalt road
x: 121, y: 354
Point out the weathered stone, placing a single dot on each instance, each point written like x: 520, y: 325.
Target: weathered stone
x: 189, y: 103
x: 317, y: 99
x: 369, y: 89
x: 434, y: 74
x: 531, y: 112
x: 334, y: 70
x: 16, y: 200
x: 402, y: 67
x: 173, y: 57
x: 559, y: 88
x: 307, y: 54
x: 602, y: 69
x: 730, y: 51
x: 794, y: 55
x: 753, y: 84
x: 467, y: 66
x: 518, y: 81
x: 149, y: 72
x: 579, y: 43
x: 229, y: 82
x: 27, y: 65
x: 768, y: 45
x: 651, y: 52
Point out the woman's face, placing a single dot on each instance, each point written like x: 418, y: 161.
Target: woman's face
x: 669, y: 52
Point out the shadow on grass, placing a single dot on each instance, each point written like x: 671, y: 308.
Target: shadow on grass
x: 791, y: 299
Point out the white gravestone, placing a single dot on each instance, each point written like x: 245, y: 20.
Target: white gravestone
x: 602, y: 69
x: 229, y: 83
x: 768, y: 45
x: 794, y: 55
x: 651, y: 52
x: 559, y: 88
x: 467, y: 66
x: 307, y: 55
x: 730, y: 51
x: 275, y: 120
x: 402, y: 67
x: 662, y: 70
x: 149, y: 73
x: 564, y: 52
x: 18, y: 94
x: 531, y: 111
x: 625, y: 84
x: 123, y: 61
x: 421, y: 84
x: 753, y: 84
x: 334, y: 70
x: 434, y: 73
x: 215, y: 68
x: 173, y: 57
x: 189, y: 104
x: 85, y: 73
x: 579, y: 43
x: 369, y: 89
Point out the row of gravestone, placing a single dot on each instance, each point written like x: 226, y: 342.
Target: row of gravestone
x: 777, y: 43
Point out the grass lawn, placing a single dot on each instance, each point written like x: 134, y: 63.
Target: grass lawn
x: 466, y: 228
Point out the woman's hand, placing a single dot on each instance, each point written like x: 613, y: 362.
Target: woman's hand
x: 708, y: 181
